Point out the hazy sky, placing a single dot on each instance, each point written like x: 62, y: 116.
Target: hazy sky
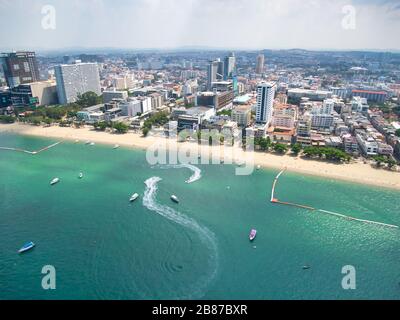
x: 309, y: 24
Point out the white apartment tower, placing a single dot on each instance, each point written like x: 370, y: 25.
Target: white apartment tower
x: 76, y: 79
x: 265, y: 102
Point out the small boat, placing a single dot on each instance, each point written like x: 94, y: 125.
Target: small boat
x: 76, y: 141
x: 87, y: 142
x: 116, y: 146
x: 54, y: 181
x: 253, y: 234
x: 174, y: 199
x: 26, y: 247
x: 306, y: 267
x: 80, y: 175
x: 134, y: 197
x: 258, y: 167
x: 92, y: 143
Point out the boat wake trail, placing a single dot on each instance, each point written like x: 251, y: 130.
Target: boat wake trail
x: 196, y: 171
x: 205, y: 235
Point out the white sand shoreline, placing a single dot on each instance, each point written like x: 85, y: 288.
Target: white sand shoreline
x: 354, y: 172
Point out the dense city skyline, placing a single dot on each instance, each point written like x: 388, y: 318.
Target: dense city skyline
x: 143, y: 24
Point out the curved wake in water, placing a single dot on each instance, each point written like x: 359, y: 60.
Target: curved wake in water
x: 196, y: 171
x: 206, y: 236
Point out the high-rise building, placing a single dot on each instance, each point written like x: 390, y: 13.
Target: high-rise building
x: 19, y: 67
x: 260, y: 64
x: 212, y: 72
x: 76, y: 79
x: 229, y: 64
x: 265, y: 101
x: 220, y: 70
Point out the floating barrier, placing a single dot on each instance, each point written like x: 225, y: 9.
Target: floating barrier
x: 294, y: 205
x: 338, y: 215
x: 274, y: 185
x: 359, y: 220
x: 31, y: 152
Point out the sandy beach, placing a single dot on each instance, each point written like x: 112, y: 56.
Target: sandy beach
x: 354, y: 172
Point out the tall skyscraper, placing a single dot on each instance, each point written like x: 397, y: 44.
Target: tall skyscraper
x: 260, y: 64
x: 221, y: 70
x: 230, y: 64
x: 212, y: 73
x: 76, y: 79
x: 19, y: 67
x: 265, y: 101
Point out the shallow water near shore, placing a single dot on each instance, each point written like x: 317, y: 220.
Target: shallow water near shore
x: 104, y: 247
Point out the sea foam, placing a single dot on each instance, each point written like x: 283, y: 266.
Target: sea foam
x: 196, y: 171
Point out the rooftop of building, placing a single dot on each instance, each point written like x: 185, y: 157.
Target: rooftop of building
x: 369, y: 91
x: 194, y: 111
x: 242, y: 99
x: 94, y: 108
x: 242, y: 108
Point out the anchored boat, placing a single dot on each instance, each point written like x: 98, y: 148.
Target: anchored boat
x: 54, y: 181
x: 253, y: 234
x: 134, y: 197
x: 26, y: 247
x: 174, y: 199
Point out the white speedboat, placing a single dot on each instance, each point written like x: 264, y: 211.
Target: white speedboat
x: 92, y: 143
x: 116, y: 146
x: 87, y: 142
x: 26, y: 247
x: 174, y: 199
x: 253, y: 234
x: 80, y: 175
x: 54, y: 181
x: 134, y: 197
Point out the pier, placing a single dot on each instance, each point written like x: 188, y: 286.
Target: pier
x: 335, y: 214
x: 31, y: 152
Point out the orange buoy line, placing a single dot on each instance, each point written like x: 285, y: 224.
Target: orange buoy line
x: 339, y: 215
x: 31, y: 152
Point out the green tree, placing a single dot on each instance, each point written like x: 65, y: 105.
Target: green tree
x: 296, y: 148
x: 65, y: 123
x: 89, y: 99
x: 391, y: 163
x: 280, y: 148
x: 7, y: 119
x: 398, y: 132
x: 121, y: 127
x: 101, y: 126
x: 48, y: 121
x: 379, y: 160
x: 145, y: 131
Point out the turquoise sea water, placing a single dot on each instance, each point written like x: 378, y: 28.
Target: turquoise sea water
x: 103, y: 247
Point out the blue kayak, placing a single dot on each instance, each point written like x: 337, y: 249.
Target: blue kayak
x: 27, y: 246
